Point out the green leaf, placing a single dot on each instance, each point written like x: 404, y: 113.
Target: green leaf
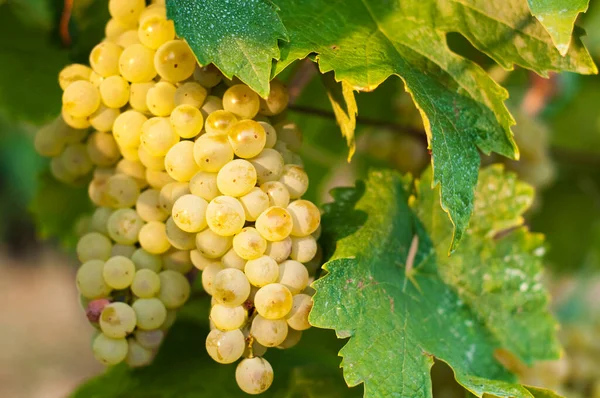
x: 394, y: 291
x: 183, y: 369
x: 558, y: 17
x: 341, y: 96
x: 462, y: 107
x: 239, y: 37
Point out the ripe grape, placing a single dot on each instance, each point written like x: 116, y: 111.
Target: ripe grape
x: 219, y: 122
x: 277, y: 193
x: 236, y: 178
x: 178, y: 260
x: 138, y: 355
x: 247, y: 138
x: 136, y: 64
x: 269, y: 332
x: 228, y: 318
x: 303, y: 249
x: 189, y: 213
x: 297, y: 318
x: 208, y: 76
x: 254, y: 375
x: 241, y: 101
x: 293, y: 337
x: 179, y: 161
x: 306, y: 217
x: 230, y: 287
x: 170, y: 193
x: 148, y: 206
x: 293, y: 275
x: 174, y: 61
x: 117, y: 320
x: 127, y: 128
x: 160, y: 99
x: 146, y: 260
x: 225, y: 347
x: 295, y: 180
x: 187, y: 121
x: 262, y: 271
x: 212, y: 152
x: 273, y: 301
x: 137, y: 95
x: 73, y: 73
x: 248, y: 244
x: 102, y: 149
x: 150, y: 339
x: 150, y: 313
x: 104, y: 118
x: 109, y: 351
x: 104, y: 59
x: 279, y: 251
x: 126, y: 11
x: 146, y: 283
x: 118, y: 272
x: 122, y: 250
x: 208, y: 276
x: 124, y: 226
x: 179, y: 238
x: 277, y: 100
x: 225, y: 215
x: 114, y: 91
x: 90, y: 281
x: 174, y: 289
x: 192, y: 94
x: 156, y: 30
x: 158, y: 136
x: 204, y: 184
x: 93, y: 246
x: 274, y: 224
x: 153, y: 237
x: 269, y: 166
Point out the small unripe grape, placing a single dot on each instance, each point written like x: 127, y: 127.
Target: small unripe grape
x: 73, y: 73
x: 150, y: 313
x: 247, y: 138
x: 295, y: 180
x: 104, y: 58
x: 81, y: 99
x: 93, y: 246
x: 303, y: 248
x: 262, y: 271
x: 297, y: 318
x: 273, y: 301
x: 180, y: 239
x: 104, y: 118
x: 269, y: 332
x: 277, y: 100
x: 208, y: 76
x: 120, y: 191
x: 90, y: 282
x: 174, y: 289
x: 158, y: 136
x: 242, y: 101
x: 293, y: 275
x: 225, y: 347
x: 114, y: 91
x: 154, y: 163
x: 231, y: 287
x: 225, y: 215
x: 254, y: 202
x: 208, y: 276
x: 189, y: 213
x: 248, y: 244
x: 187, y: 121
x: 190, y: 93
x: 127, y: 128
x: 212, y: 245
x: 220, y: 122
x: 126, y: 11
x: 174, y: 61
x: 136, y: 64
x: 179, y: 161
x: 236, y: 178
x: 146, y: 283
x: 269, y: 165
x: 204, y: 184
x: 213, y: 152
x: 160, y: 99
x: 153, y: 238
x: 274, y: 224
x: 306, y: 217
x: 170, y: 193
x: 228, y: 318
x: 154, y: 31
x: 277, y: 193
x: 279, y: 251
x: 143, y: 259
x: 109, y: 351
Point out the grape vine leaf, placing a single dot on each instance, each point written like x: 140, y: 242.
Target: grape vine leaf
x: 394, y: 291
x: 558, y: 17
x: 183, y: 369
x: 239, y: 37
x: 343, y: 102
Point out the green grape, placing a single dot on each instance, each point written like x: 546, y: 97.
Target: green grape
x: 72, y: 73
x: 277, y: 192
x: 143, y: 259
x: 212, y: 245
x: 102, y: 149
x: 68, y: 134
x: 104, y: 58
x: 153, y: 10
x: 122, y: 250
x: 75, y: 122
x: 273, y: 301
x: 136, y: 64
x: 247, y: 138
x: 158, y: 179
x: 270, y: 133
x: 153, y: 238
x: 274, y: 224
x: 124, y: 225
x: 146, y: 283
x: 93, y: 246
x: 109, y: 351
x: 254, y: 375
x: 293, y: 275
x: 133, y: 169
x: 279, y: 251
x: 75, y: 160
x: 180, y: 239
x: 211, y: 104
x: 269, y: 166
x: 114, y: 91
x: 127, y: 128
x: 171, y: 318
x: 232, y: 260
x: 295, y: 180
x: 303, y: 248
x: 80, y: 99
x: 204, y: 184
x: 156, y: 30
x: 225, y: 347
x: 189, y: 213
x: 137, y: 355
x: 152, y: 163
x: 187, y: 121
x: 150, y: 339
x: 160, y: 99
x: 208, y: 276
x: 306, y: 217
x: 277, y: 100
x: 297, y: 318
x: 174, y: 61
x: 99, y: 221
x: 248, y: 244
x: 289, y: 134
x: 208, y: 76
x: 90, y: 282
x: 262, y: 271
x: 293, y: 337
x: 199, y: 261
x: 150, y: 313
x: 47, y: 141
x: 178, y: 260
x: 137, y: 96
x: 158, y: 136
x: 179, y: 161
x: 231, y: 287
x: 128, y: 38
x: 212, y: 152
x: 269, y: 332
x: 170, y: 193
x: 118, y: 272
x: 104, y: 118
x: 228, y: 318
x: 192, y: 94
x: 174, y: 289
x: 148, y: 206
x: 117, y: 320
x: 225, y: 215
x: 236, y: 178
x: 242, y: 101
x: 60, y: 172
x: 219, y: 122
x: 114, y: 29
x: 126, y: 12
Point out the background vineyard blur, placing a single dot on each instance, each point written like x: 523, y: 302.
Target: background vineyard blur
x: 44, y: 336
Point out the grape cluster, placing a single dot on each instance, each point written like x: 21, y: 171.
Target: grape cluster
x: 183, y: 181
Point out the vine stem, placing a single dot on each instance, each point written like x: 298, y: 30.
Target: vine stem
x: 65, y: 17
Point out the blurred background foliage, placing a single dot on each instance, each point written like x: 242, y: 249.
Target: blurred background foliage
x: 558, y: 132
